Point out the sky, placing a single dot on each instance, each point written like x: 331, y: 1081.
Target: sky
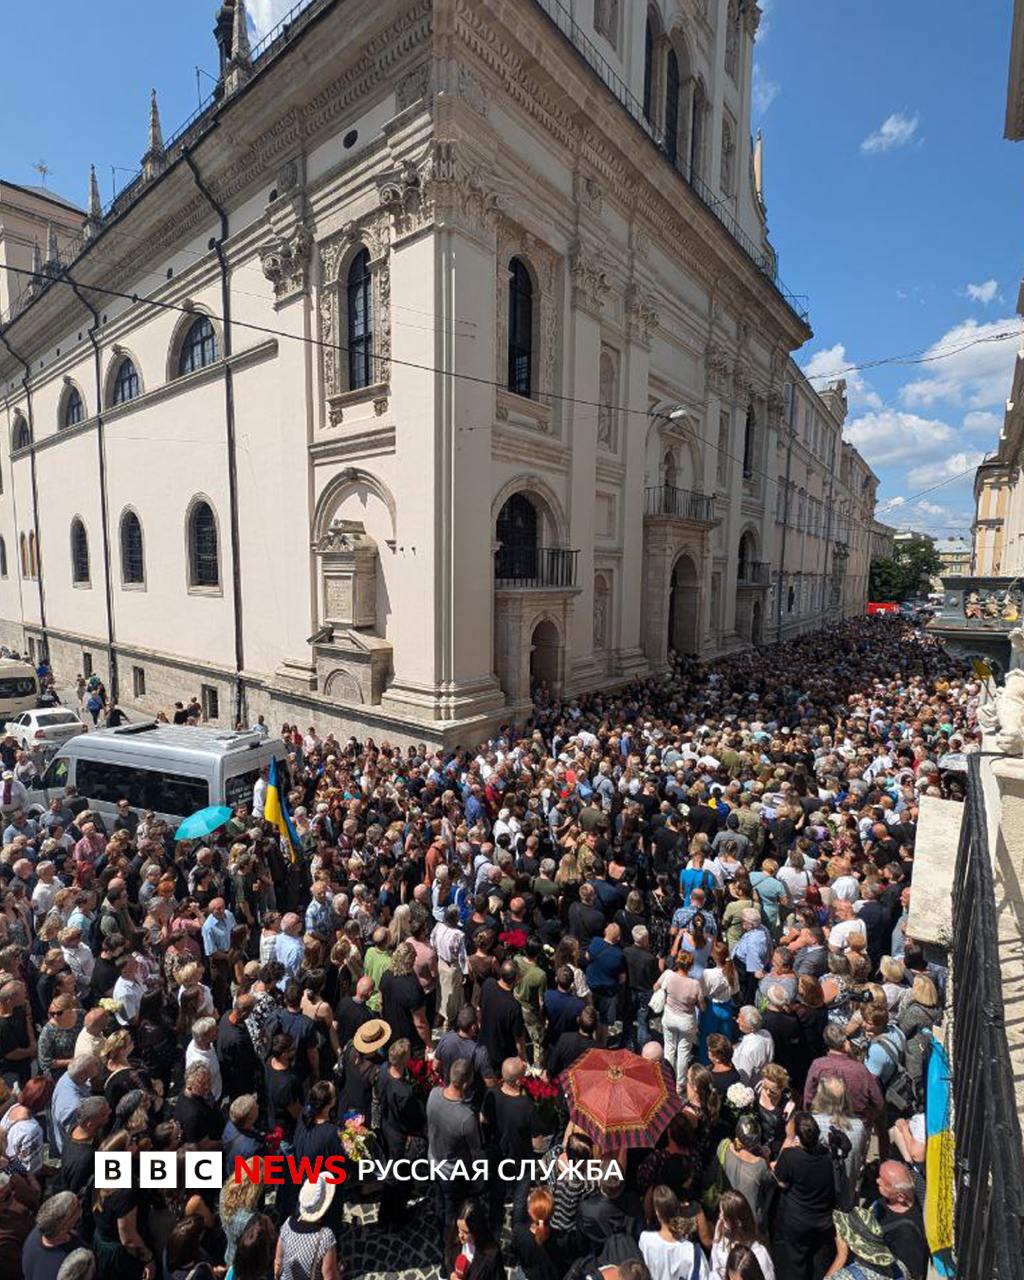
x: 893, y: 200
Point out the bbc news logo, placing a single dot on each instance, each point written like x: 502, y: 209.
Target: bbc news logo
x: 204, y: 1170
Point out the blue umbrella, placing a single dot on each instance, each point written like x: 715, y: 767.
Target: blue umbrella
x: 203, y: 823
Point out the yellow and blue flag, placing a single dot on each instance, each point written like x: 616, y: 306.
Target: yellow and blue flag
x: 938, y: 1205
x: 275, y: 811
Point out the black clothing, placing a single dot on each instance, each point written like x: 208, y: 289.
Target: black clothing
x: 585, y: 923
x: 303, y: 1033
x: 571, y: 1045
x: 402, y: 1113
x: 350, y: 1015
x: 535, y: 1259
x: 784, y: 1029
x: 283, y: 1091
x: 400, y: 998
x: 14, y: 1035
x: 199, y: 1118
x: 642, y: 970
x: 239, y: 1065
x: 904, y: 1234
x: 42, y: 1261
x: 501, y: 1023
x: 77, y: 1160
x: 510, y: 1123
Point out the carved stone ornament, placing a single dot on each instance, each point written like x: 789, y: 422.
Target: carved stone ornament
x: 471, y: 91
x: 589, y: 283
x: 641, y: 316
x: 344, y: 535
x: 775, y: 403
x: 751, y: 16
x: 588, y: 192
x: 413, y: 87
x: 717, y: 368
x: 285, y: 263
x: 1005, y: 715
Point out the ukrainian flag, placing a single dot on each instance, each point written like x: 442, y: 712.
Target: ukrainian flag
x: 275, y: 811
x: 938, y: 1206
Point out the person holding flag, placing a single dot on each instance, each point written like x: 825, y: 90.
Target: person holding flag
x: 275, y: 811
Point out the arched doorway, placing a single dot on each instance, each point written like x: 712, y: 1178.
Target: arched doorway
x: 682, y: 607
x: 755, y: 623
x: 545, y: 644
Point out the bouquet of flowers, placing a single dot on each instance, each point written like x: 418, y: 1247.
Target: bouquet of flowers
x: 546, y: 1098
x: 425, y: 1075
x: 355, y: 1136
x: 739, y: 1098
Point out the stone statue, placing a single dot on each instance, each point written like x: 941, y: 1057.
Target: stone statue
x: 1005, y: 713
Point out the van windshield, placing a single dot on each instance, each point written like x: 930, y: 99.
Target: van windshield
x: 143, y: 788
x: 17, y: 687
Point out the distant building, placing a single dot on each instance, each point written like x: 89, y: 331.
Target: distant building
x: 882, y: 545
x: 955, y: 556
x: 37, y: 229
x: 993, y: 482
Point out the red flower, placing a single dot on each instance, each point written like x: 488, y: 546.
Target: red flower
x: 513, y: 938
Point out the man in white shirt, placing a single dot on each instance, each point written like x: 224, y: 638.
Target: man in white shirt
x: 201, y: 1049
x: 45, y: 891
x: 847, y: 924
x: 755, y: 1048
x: 128, y: 992
x: 259, y: 794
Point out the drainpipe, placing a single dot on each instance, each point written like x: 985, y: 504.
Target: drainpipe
x: 785, y: 510
x: 102, y: 455
x: 217, y: 245
x: 35, y: 496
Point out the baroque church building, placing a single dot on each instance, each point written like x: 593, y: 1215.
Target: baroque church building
x: 442, y: 354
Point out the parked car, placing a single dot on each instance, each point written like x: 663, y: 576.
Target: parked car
x: 45, y: 727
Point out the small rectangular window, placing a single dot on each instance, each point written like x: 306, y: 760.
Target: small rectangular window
x: 86, y: 664
x: 139, y: 682
x: 211, y: 702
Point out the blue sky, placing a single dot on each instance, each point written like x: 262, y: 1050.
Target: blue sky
x: 892, y: 198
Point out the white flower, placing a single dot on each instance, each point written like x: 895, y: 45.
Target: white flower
x: 740, y: 1096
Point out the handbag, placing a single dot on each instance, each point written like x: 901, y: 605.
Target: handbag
x: 656, y: 1004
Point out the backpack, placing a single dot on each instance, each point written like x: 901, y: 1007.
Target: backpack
x: 900, y: 1092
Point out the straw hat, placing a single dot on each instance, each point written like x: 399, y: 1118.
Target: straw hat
x: 372, y: 1035
x: 315, y: 1199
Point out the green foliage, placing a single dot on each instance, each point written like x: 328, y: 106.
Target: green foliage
x: 906, y: 574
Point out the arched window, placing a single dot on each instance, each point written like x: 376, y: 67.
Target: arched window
x: 746, y: 557
x: 22, y: 434
x: 133, y: 565
x: 360, y: 322
x: 126, y: 383
x: 199, y: 348
x: 79, y: 552
x: 748, y: 445
x: 23, y: 555
x: 203, y: 556
x: 520, y: 329
x: 74, y: 409
x: 33, y: 555
x: 517, y: 532
x: 649, y: 70
x: 3, y: 558
x: 672, y: 107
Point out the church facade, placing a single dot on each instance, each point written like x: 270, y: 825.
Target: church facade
x: 440, y: 357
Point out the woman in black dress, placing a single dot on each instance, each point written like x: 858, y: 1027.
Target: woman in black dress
x: 804, y: 1235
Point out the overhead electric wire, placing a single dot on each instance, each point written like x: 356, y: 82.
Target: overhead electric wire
x: 477, y: 379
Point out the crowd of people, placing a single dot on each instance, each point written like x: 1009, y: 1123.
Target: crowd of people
x: 711, y: 869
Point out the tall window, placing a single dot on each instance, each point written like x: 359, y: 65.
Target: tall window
x: 126, y: 384
x: 517, y: 533
x: 74, y: 409
x: 22, y: 434
x: 79, y: 552
x: 133, y: 565
x: 520, y: 329
x: 199, y: 348
x: 203, y: 558
x: 748, y: 445
x: 649, y: 70
x: 3, y: 558
x: 672, y: 107
x: 360, y: 322
x: 23, y: 553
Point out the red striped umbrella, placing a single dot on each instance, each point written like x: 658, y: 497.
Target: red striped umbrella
x: 619, y: 1098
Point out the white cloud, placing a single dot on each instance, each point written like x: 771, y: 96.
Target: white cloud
x: 975, y: 373
x: 264, y: 14
x: 896, y: 131
x: 828, y: 364
x: 960, y: 465
x: 887, y: 437
x: 983, y: 293
x: 982, y: 422
x: 764, y: 91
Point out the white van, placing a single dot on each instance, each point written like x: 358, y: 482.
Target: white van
x: 172, y: 769
x: 19, y: 688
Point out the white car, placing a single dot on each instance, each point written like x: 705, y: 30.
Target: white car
x: 45, y: 726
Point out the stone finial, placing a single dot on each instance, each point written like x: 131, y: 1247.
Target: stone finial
x: 155, y: 157
x: 240, y: 63
x: 95, y: 218
x: 51, y: 262
x: 759, y: 167
x: 37, y: 259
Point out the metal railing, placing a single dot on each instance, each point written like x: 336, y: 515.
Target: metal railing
x: 989, y: 1168
x: 766, y: 260
x: 755, y: 573
x: 535, y: 567
x: 684, y: 504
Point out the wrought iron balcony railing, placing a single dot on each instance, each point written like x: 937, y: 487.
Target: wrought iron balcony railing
x: 683, y: 504
x: 754, y: 573
x: 531, y: 568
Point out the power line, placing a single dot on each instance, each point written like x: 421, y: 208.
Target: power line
x: 268, y: 331
x: 926, y: 357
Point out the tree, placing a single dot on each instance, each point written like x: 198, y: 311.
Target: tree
x: 913, y: 562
